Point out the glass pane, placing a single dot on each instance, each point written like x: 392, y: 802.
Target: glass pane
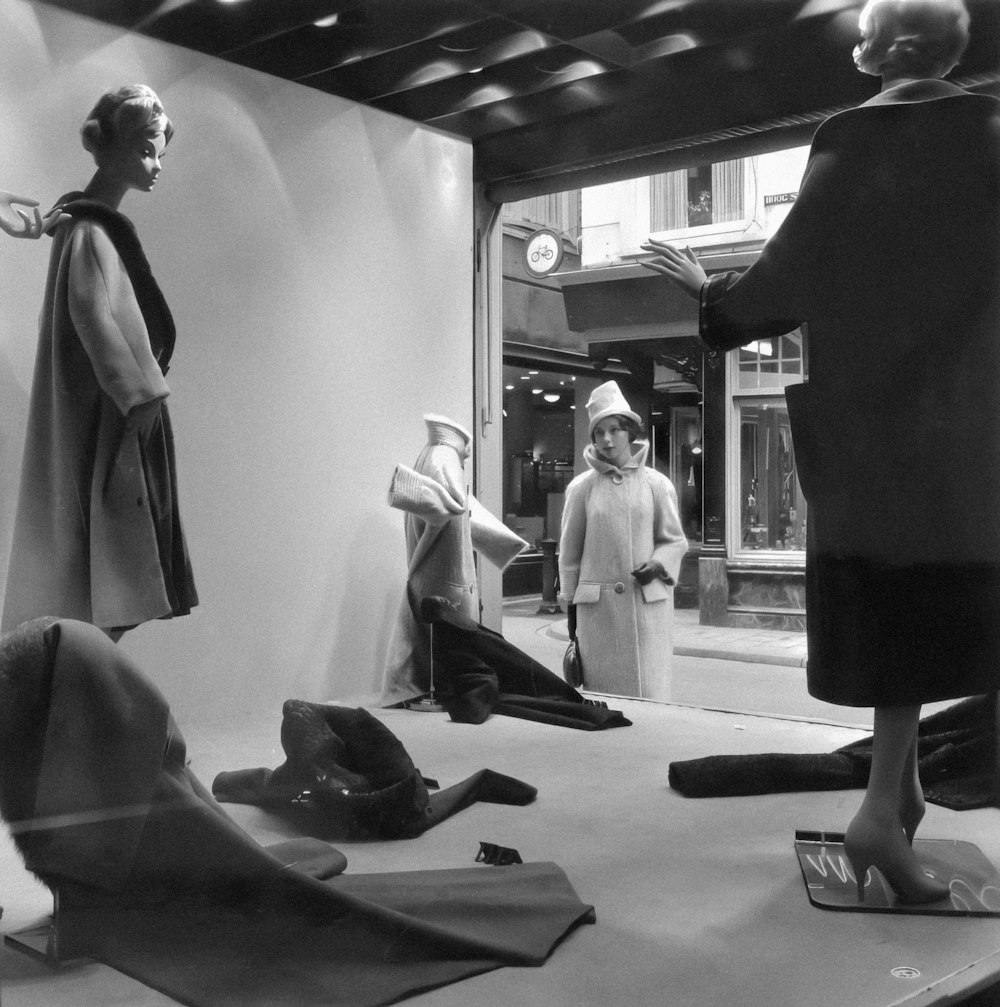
x: 772, y: 508
x: 771, y: 363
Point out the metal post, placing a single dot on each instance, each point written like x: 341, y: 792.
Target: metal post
x: 550, y: 604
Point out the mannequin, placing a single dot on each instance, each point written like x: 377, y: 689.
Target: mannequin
x: 903, y: 307
x: 444, y: 524
x: 97, y: 535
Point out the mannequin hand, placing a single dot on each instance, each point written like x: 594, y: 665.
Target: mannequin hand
x: 680, y: 266
x: 142, y: 418
x: 31, y: 227
x: 649, y: 571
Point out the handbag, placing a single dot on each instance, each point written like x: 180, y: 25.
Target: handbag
x: 572, y: 665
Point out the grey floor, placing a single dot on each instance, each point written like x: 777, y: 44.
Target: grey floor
x: 700, y: 903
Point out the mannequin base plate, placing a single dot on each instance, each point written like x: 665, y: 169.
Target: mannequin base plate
x: 830, y: 881
x: 424, y: 704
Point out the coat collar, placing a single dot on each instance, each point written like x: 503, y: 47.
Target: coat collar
x: 914, y: 91
x: 639, y: 451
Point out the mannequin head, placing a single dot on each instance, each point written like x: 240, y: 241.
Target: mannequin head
x: 123, y: 118
x: 911, y: 39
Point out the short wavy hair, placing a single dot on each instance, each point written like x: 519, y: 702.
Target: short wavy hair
x: 912, y: 38
x: 122, y: 115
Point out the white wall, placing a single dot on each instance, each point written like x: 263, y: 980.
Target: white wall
x: 317, y: 258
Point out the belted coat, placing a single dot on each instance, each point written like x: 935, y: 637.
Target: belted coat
x: 613, y: 521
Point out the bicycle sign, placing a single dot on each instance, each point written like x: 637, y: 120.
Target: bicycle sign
x: 543, y: 252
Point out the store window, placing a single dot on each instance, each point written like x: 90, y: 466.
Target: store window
x: 697, y: 196
x: 538, y: 432
x: 770, y: 512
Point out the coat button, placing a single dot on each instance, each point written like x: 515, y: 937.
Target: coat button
x: 618, y: 480
x: 619, y: 588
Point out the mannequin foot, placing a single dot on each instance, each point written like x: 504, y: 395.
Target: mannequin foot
x: 871, y: 842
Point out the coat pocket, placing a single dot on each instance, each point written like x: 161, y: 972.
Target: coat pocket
x: 587, y: 594
x: 656, y: 590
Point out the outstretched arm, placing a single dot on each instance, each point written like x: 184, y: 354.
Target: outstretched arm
x: 33, y: 226
x: 680, y: 266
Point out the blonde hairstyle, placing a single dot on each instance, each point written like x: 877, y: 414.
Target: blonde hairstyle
x: 912, y: 38
x: 124, y: 114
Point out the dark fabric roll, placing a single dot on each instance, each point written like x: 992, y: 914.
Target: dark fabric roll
x: 956, y: 750
x: 468, y: 658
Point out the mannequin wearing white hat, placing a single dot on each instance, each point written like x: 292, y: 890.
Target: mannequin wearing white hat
x: 620, y: 554
x: 444, y: 525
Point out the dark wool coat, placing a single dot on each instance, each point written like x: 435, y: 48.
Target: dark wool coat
x: 97, y: 536
x: 156, y: 880
x: 891, y: 256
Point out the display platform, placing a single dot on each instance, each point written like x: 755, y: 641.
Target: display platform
x: 831, y: 882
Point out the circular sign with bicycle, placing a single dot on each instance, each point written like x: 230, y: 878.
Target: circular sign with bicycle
x: 543, y: 252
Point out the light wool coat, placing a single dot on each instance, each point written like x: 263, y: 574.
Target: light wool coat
x: 85, y: 544
x: 613, y: 521
x: 445, y: 526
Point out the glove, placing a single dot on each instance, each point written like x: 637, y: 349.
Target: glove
x: 649, y: 571
x: 571, y: 621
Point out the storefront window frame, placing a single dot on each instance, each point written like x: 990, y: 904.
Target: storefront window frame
x: 736, y: 397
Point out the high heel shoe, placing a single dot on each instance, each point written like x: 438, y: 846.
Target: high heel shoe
x: 867, y: 845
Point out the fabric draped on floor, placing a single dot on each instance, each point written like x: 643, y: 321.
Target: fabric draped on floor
x: 156, y: 880
x: 957, y: 752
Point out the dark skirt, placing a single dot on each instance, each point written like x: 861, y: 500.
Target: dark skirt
x: 881, y: 635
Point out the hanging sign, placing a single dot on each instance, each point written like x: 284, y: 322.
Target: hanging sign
x: 543, y: 252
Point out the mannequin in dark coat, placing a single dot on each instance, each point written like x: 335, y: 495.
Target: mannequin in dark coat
x: 891, y: 256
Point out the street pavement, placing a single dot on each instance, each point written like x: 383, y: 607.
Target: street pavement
x: 745, y: 671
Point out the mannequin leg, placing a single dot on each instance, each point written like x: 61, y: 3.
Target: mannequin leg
x: 876, y: 836
x: 911, y: 794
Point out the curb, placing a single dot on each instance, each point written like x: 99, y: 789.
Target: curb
x: 557, y: 631
x: 783, y: 660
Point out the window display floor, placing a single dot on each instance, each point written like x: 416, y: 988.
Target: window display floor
x: 684, y: 914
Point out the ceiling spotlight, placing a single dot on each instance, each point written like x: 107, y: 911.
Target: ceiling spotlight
x: 551, y: 397
x: 327, y: 22
x: 536, y: 391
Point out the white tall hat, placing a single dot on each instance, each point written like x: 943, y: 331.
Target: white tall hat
x: 607, y: 400
x: 442, y: 430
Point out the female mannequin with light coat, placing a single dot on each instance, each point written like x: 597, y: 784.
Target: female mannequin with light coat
x: 97, y: 536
